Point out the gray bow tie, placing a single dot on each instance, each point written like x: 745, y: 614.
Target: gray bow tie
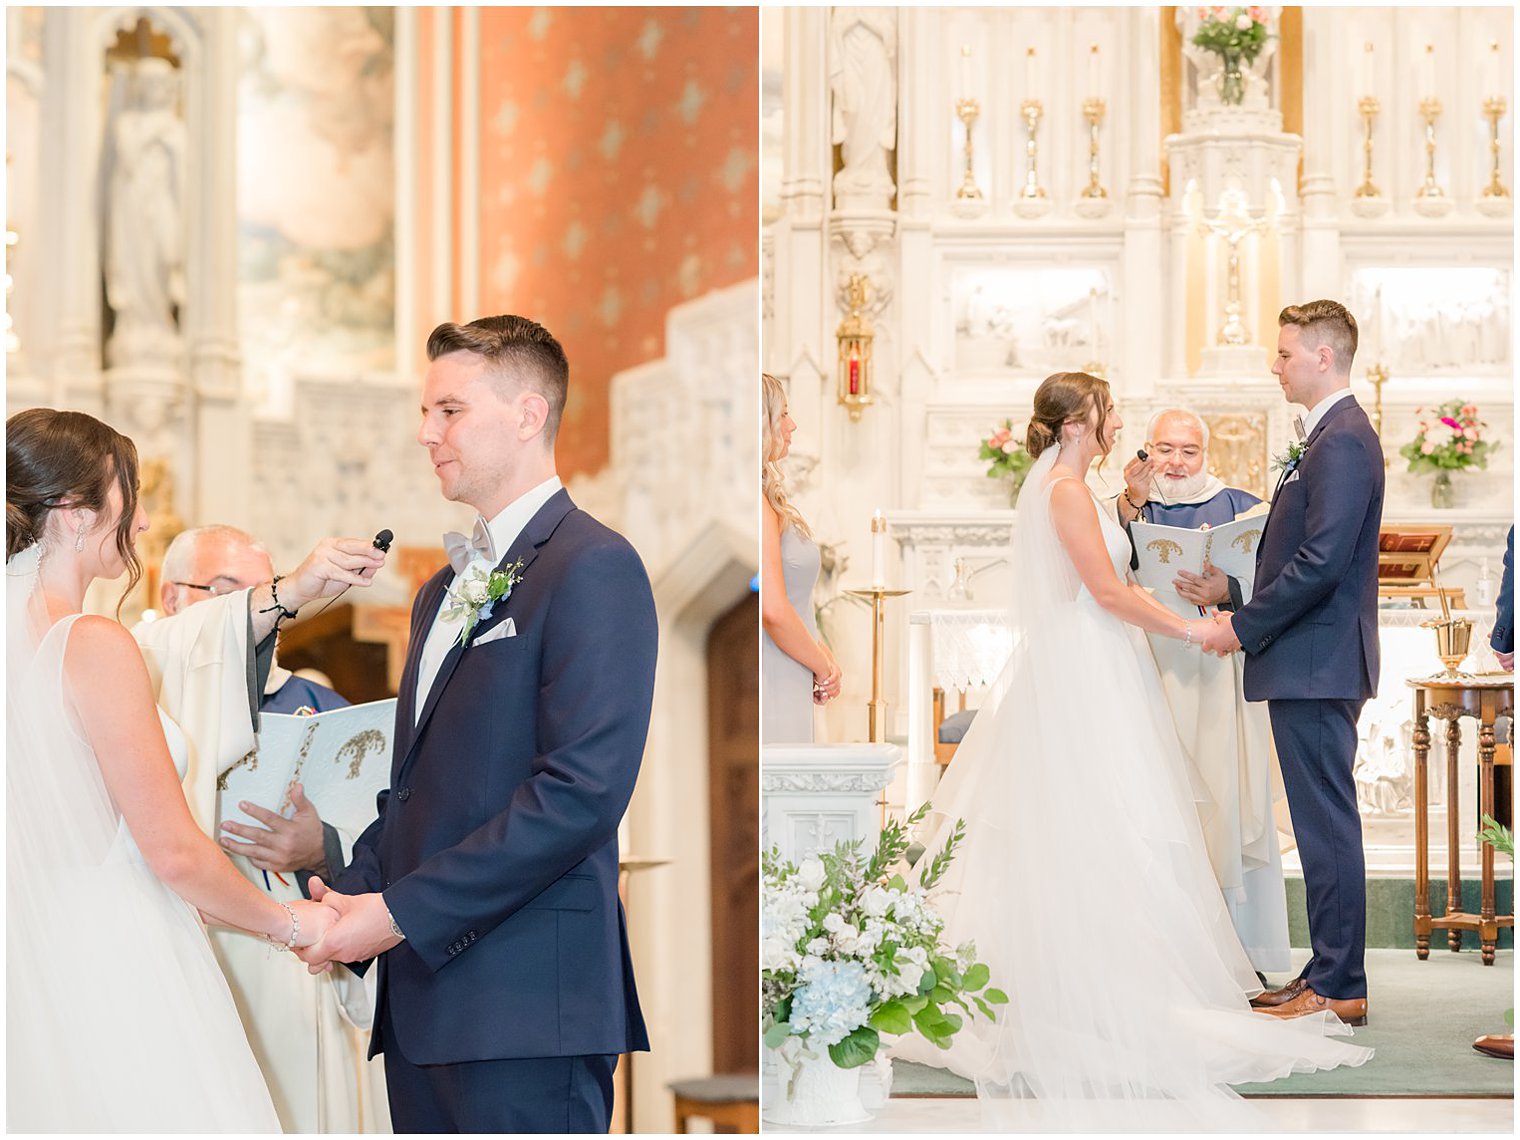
x: 462, y: 551
x: 1298, y: 426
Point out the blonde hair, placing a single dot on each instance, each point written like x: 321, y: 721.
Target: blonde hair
x: 772, y: 482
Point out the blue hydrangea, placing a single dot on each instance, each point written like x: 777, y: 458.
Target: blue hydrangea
x: 832, y: 1000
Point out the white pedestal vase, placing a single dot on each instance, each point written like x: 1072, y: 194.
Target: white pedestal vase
x: 812, y: 1092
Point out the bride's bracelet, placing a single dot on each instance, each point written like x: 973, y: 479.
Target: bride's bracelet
x: 295, y: 929
x: 1187, y: 633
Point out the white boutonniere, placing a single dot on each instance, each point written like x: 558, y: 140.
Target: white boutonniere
x: 1289, y: 459
x: 476, y: 593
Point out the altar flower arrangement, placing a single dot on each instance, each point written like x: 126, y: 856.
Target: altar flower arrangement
x: 1450, y: 438
x: 850, y: 952
x: 1007, y: 458
x: 1236, y: 36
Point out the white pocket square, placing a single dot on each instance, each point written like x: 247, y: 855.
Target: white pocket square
x: 1292, y: 476
x: 506, y: 629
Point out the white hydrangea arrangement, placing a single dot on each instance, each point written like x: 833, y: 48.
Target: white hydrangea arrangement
x: 849, y: 952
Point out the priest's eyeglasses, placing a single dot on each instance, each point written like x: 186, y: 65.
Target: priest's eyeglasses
x: 215, y: 588
x: 1166, y: 451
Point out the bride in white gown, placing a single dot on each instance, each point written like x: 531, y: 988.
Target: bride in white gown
x: 1084, y: 879
x: 118, y: 1018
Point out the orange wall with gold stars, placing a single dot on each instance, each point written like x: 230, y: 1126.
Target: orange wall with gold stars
x: 617, y: 177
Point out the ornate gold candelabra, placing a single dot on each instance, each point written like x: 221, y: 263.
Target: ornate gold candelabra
x: 1430, y: 111
x: 1092, y: 111
x: 1030, y: 111
x: 967, y: 110
x: 1368, y: 105
x: 876, y: 709
x: 1493, y: 109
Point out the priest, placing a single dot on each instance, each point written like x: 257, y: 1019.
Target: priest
x: 1227, y: 741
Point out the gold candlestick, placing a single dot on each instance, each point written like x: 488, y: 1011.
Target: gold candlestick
x: 1493, y: 109
x: 1092, y: 111
x: 1030, y: 111
x: 1369, y: 107
x: 967, y: 110
x: 1430, y: 111
x: 1377, y: 374
x: 876, y: 709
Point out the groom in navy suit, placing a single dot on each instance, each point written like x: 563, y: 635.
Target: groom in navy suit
x: 487, y: 887
x: 1310, y: 635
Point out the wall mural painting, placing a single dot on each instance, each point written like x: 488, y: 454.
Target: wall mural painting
x: 316, y: 228
x: 618, y: 179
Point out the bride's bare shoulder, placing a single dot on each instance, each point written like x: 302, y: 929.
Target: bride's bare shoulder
x: 100, y: 645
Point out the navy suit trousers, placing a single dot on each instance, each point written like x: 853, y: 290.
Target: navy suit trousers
x: 1316, y: 747
x: 551, y: 1095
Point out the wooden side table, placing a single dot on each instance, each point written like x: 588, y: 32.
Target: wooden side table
x: 1484, y: 698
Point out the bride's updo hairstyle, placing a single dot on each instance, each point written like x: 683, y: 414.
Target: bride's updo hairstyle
x: 1064, y: 397
x: 61, y: 461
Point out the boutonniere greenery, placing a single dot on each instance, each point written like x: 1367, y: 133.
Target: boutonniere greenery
x: 1289, y: 459
x: 476, y: 593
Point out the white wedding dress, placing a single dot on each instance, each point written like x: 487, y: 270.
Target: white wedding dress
x: 118, y: 1018
x: 1085, y: 881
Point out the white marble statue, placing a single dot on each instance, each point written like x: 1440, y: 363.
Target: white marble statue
x: 863, y: 80
x: 144, y: 246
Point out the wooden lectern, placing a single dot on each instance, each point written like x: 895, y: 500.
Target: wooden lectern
x: 1407, y: 559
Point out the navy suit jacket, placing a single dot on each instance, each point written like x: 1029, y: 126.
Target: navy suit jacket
x: 1310, y: 630
x: 496, y: 843
x: 1503, y: 637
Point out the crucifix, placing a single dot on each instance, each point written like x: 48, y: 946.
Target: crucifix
x: 1233, y: 222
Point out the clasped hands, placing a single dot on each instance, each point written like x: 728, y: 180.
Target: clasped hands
x: 1218, y: 636
x: 352, y: 928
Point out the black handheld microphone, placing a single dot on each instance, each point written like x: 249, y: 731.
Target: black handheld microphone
x: 382, y: 541
x: 1140, y: 455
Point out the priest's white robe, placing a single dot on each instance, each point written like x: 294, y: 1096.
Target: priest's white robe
x: 1228, y: 742
x: 309, y: 1033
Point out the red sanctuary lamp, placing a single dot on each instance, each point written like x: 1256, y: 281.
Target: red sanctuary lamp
x: 855, y: 335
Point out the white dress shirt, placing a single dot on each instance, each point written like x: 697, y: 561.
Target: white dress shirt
x: 1317, y: 412
x: 504, y: 528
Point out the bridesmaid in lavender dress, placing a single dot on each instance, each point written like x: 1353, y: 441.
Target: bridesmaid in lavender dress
x: 797, y: 669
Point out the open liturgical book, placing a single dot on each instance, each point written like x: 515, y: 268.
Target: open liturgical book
x: 1164, y: 550
x: 341, y: 758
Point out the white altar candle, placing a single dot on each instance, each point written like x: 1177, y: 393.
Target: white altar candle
x: 1492, y: 88
x: 1368, y: 71
x: 965, y: 74
x: 1032, y: 76
x: 878, y: 549
x: 1094, y: 75
x: 1428, y: 73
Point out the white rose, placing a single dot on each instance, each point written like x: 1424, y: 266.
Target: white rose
x: 818, y: 946
x: 811, y: 874
x: 832, y: 922
x: 847, y: 941
x: 476, y: 591
x: 875, y: 902
x: 1243, y: 23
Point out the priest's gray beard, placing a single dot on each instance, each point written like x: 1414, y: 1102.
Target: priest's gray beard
x: 1183, y: 490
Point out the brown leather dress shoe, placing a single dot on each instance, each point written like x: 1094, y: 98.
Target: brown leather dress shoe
x: 1269, y: 999
x: 1501, y: 1045
x: 1353, y: 1011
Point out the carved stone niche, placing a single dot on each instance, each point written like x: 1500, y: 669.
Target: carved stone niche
x: 1238, y: 449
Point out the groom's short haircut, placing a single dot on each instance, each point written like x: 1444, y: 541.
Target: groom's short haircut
x: 517, y: 349
x: 1324, y: 323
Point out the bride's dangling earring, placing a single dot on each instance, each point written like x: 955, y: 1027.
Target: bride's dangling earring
x: 79, y: 536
